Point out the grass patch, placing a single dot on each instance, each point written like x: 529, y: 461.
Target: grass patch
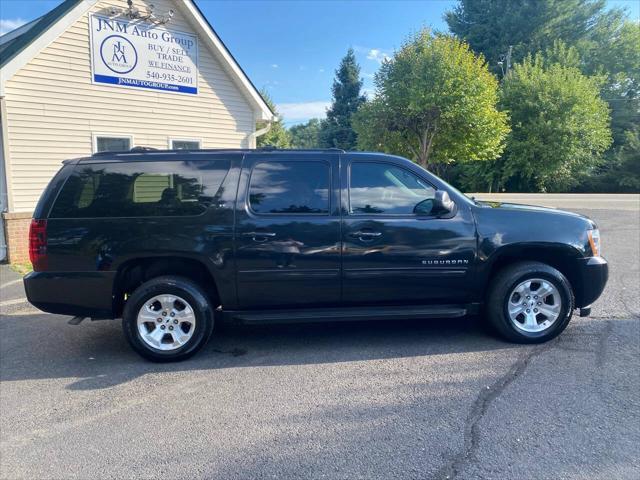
x: 22, y: 268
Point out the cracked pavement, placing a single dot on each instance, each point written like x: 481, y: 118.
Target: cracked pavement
x: 431, y: 399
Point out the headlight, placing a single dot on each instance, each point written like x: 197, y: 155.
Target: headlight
x: 594, y: 242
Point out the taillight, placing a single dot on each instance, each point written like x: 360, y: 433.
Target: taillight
x: 38, y: 244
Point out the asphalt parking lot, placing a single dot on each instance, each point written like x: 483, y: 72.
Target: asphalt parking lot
x: 432, y: 399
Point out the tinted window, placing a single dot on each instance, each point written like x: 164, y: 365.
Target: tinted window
x: 140, y: 189
x: 290, y: 187
x: 384, y: 188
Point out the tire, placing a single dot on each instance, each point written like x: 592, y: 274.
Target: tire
x: 511, y: 304
x: 176, y: 319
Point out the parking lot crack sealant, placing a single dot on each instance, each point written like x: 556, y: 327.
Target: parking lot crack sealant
x: 479, y: 408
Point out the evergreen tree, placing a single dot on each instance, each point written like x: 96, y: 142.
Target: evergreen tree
x: 277, y: 136
x: 336, y: 129
x: 491, y: 26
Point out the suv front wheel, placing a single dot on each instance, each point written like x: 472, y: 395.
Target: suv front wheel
x: 167, y: 319
x: 529, y: 302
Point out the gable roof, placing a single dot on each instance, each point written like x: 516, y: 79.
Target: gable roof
x: 12, y: 43
x: 20, y: 45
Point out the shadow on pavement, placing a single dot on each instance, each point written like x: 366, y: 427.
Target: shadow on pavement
x: 95, y: 355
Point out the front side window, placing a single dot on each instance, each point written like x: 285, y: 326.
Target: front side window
x: 140, y: 189
x: 185, y: 144
x: 290, y: 187
x: 382, y: 188
x: 112, y: 144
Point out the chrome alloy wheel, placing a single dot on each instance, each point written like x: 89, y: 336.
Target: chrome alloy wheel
x: 534, y: 305
x: 166, y: 322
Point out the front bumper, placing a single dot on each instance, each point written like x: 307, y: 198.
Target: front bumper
x: 87, y: 294
x: 593, y: 273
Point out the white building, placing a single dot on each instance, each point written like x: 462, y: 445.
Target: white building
x: 95, y: 75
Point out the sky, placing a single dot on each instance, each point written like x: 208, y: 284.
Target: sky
x: 292, y: 48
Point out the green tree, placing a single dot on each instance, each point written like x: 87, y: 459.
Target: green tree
x: 627, y: 162
x: 336, y: 129
x: 277, y: 136
x: 305, y: 135
x: 606, y: 42
x: 435, y: 102
x: 618, y: 58
x: 560, y: 125
x: 491, y: 26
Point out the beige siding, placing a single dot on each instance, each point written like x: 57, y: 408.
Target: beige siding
x: 53, y: 109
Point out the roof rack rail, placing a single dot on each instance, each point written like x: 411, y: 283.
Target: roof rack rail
x: 273, y: 148
x: 138, y: 149
x: 266, y: 148
x: 142, y: 149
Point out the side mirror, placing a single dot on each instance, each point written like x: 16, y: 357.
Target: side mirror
x: 442, y: 204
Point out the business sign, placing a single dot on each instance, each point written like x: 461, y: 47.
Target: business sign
x: 137, y: 54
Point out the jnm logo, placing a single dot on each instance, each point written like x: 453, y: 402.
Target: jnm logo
x: 118, y: 53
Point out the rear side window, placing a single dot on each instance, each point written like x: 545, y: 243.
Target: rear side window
x: 49, y: 193
x: 290, y: 187
x: 140, y: 189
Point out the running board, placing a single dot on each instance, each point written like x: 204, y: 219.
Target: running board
x: 347, y: 314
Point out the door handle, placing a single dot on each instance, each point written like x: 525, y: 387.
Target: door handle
x: 365, y: 236
x: 259, y: 236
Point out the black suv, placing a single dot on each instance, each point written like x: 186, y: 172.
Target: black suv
x: 174, y: 241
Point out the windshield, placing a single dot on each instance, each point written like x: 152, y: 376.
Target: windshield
x: 471, y: 200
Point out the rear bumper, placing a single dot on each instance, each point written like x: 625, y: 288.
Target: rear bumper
x: 593, y: 274
x: 88, y: 294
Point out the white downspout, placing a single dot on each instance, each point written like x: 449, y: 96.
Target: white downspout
x: 258, y: 133
x: 4, y: 160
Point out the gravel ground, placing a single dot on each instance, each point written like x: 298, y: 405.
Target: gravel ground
x: 434, y: 399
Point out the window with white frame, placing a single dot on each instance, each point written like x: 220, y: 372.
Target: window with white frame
x: 112, y: 143
x: 184, y: 144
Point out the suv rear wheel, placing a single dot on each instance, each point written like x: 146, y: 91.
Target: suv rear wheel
x: 529, y: 302
x: 167, y: 319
